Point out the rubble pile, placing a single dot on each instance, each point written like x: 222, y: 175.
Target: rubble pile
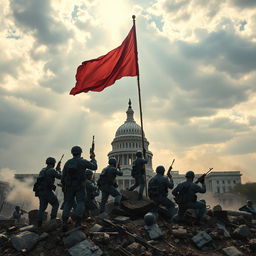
x: 122, y: 231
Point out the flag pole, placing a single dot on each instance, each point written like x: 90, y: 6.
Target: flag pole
x: 139, y: 92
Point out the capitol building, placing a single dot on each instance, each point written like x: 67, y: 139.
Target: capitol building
x: 126, y: 143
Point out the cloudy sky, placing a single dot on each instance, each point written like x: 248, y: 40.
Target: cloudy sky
x: 197, y: 62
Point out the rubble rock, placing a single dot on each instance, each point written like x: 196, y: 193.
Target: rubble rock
x: 154, y: 231
x: 32, y: 217
x: 222, y: 228
x: 201, y: 239
x: 180, y: 233
x: 73, y: 238
x: 136, y: 248
x: 129, y: 195
x: 252, y: 244
x: 242, y: 232
x: 232, y: 251
x: 121, y: 219
x: 24, y: 241
x: 217, y: 208
x: 85, y: 247
x: 96, y: 228
x: 246, y: 215
x: 137, y: 208
x: 51, y: 225
x: 43, y: 236
x: 3, y: 239
x: 6, y: 222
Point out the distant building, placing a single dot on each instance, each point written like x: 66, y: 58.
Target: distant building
x: 126, y: 143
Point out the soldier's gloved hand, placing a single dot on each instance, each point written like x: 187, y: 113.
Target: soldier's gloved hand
x: 92, y: 155
x: 58, y: 168
x: 202, y: 180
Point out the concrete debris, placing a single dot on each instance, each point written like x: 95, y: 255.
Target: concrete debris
x: 232, y: 251
x: 154, y: 231
x: 85, y: 248
x: 73, y: 238
x: 121, y: 219
x: 51, y: 225
x: 24, y: 241
x: 28, y: 228
x: 180, y: 233
x: 252, y: 244
x: 96, y: 228
x: 242, y: 232
x: 201, y: 239
x: 223, y: 231
x: 3, y: 239
x: 136, y: 248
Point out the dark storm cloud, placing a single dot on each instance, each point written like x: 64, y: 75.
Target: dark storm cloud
x: 226, y: 51
x: 36, y: 17
x: 227, y: 124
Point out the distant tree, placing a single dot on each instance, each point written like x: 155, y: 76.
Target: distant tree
x: 248, y: 190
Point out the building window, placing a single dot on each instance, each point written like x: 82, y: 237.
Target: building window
x: 224, y: 189
x: 223, y: 181
x: 218, y: 190
x: 217, y: 182
x: 234, y: 181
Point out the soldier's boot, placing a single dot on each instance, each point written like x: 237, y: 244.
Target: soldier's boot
x: 140, y: 196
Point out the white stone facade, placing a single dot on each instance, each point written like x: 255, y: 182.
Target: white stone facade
x: 126, y: 143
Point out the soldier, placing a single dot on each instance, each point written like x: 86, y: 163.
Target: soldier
x: 138, y: 172
x: 185, y: 197
x: 108, y: 185
x: 91, y: 206
x: 158, y: 190
x: 73, y: 182
x: 45, y: 188
x: 17, y: 214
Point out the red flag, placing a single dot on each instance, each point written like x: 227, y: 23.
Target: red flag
x: 96, y: 74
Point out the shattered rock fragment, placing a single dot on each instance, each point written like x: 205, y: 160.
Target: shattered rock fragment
x: 96, y: 228
x: 232, y: 251
x: 85, y: 247
x: 24, y: 241
x: 180, y: 233
x: 121, y: 219
x: 136, y: 248
x: 154, y: 231
x: 73, y: 238
x: 201, y: 239
x: 242, y: 232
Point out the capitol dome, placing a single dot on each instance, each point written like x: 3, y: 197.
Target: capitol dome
x: 126, y: 143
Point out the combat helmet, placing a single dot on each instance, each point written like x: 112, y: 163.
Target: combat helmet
x: 76, y: 150
x: 50, y: 160
x: 139, y: 154
x: 190, y: 174
x: 112, y: 161
x: 150, y: 219
x: 160, y: 169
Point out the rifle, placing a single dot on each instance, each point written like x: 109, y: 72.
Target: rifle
x: 170, y: 168
x: 93, y: 146
x: 23, y: 211
x: 202, y: 177
x: 92, y: 153
x: 137, y: 238
x: 59, y: 163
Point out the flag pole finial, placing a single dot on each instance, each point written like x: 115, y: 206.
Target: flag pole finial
x: 133, y: 17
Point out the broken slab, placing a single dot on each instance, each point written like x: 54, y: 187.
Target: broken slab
x: 135, y: 248
x: 180, y: 233
x: 85, y: 247
x: 121, y: 219
x: 129, y: 195
x: 137, y: 208
x: 242, y: 232
x: 154, y: 231
x: 232, y: 251
x: 201, y: 239
x: 24, y: 241
x: 51, y: 225
x: 96, y: 228
x: 73, y: 238
x: 28, y: 228
x: 222, y: 228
